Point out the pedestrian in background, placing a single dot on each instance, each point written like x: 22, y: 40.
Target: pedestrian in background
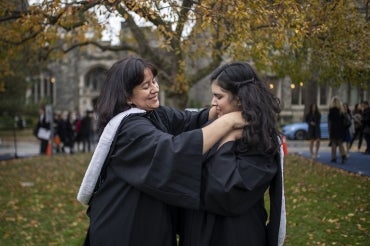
x: 43, y: 126
x: 313, y: 119
x: 336, y: 129
x: 349, y: 131
x: 77, y: 131
x: 86, y: 131
x: 366, y: 125
x: 58, y: 132
x: 69, y: 134
x: 357, y: 122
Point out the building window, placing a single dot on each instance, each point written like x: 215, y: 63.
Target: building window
x: 38, y: 90
x: 297, y: 93
x: 273, y: 86
x: 95, y: 78
x: 323, y: 94
x: 45, y: 87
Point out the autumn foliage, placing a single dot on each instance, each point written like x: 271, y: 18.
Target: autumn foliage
x: 324, y: 41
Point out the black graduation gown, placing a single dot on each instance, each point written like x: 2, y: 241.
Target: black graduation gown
x: 335, y: 124
x: 314, y: 131
x: 147, y: 171
x: 233, y: 189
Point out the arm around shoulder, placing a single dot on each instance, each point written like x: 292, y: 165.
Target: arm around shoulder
x: 215, y: 131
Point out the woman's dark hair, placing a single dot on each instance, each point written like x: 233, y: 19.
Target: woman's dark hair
x: 121, y: 79
x: 259, y: 106
x: 317, y: 111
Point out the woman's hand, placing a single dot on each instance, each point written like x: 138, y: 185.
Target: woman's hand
x: 221, y: 127
x: 236, y: 119
x: 212, y: 115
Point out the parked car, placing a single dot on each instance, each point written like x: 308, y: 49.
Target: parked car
x: 299, y: 130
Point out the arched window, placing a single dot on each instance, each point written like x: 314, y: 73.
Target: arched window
x: 95, y: 78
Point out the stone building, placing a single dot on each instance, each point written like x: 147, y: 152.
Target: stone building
x: 73, y: 84
x: 291, y: 96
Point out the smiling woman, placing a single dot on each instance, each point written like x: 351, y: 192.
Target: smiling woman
x: 145, y: 95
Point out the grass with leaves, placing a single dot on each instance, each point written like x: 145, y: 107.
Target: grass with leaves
x: 325, y: 206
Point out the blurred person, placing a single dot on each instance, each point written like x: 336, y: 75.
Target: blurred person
x: 238, y: 172
x: 313, y: 119
x: 357, y: 122
x: 58, y: 132
x: 86, y: 131
x: 69, y: 134
x: 42, y: 130
x: 349, y: 131
x: 366, y: 125
x: 77, y: 131
x: 336, y: 129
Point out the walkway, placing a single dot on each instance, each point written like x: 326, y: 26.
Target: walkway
x: 357, y: 161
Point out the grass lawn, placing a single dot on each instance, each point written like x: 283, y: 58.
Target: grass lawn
x: 325, y: 206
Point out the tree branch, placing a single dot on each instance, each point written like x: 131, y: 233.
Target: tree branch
x: 151, y: 16
x: 183, y: 16
x: 120, y: 47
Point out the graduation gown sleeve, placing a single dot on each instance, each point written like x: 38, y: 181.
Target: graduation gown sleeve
x: 234, y: 182
x: 158, y: 163
x: 177, y: 121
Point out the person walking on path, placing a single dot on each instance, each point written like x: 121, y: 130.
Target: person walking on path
x: 349, y: 131
x: 366, y: 125
x: 336, y: 129
x: 357, y: 121
x: 313, y: 119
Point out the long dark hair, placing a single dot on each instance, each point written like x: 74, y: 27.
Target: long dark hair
x: 312, y: 112
x: 121, y: 79
x: 259, y: 106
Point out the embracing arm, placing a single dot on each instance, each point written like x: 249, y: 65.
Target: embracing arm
x: 221, y: 127
x: 166, y: 166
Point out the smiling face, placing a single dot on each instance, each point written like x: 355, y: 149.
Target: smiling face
x: 145, y: 95
x: 223, y: 100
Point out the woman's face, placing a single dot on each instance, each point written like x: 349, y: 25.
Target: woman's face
x: 145, y: 95
x: 223, y: 100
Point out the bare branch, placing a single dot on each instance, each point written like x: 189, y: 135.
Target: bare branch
x: 183, y: 16
x: 150, y: 15
x: 120, y: 47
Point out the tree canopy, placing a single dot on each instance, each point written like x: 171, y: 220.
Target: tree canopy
x: 319, y: 39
